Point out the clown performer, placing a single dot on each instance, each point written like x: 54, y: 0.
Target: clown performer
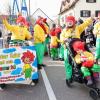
x: 20, y: 31
x: 41, y: 30
x: 96, y: 32
x: 47, y: 43
x: 54, y: 43
x: 60, y: 49
x: 72, y: 31
x: 86, y: 60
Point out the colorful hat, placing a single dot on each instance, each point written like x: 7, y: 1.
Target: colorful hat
x: 41, y: 19
x: 78, y: 45
x: 71, y: 18
x: 23, y: 21
x: 52, y: 32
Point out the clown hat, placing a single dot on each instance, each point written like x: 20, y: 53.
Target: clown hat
x: 41, y: 19
x: 78, y: 45
x: 70, y: 18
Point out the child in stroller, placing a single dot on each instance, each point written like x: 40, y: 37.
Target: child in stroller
x: 83, y: 65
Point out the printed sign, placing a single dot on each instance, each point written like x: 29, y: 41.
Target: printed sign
x: 18, y: 65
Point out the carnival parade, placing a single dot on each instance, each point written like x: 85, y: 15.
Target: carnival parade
x: 43, y: 57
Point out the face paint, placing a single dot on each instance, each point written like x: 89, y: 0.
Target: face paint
x: 70, y: 24
x: 20, y: 24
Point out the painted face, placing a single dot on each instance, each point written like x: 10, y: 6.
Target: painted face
x: 69, y: 24
x: 27, y: 61
x: 79, y: 51
x: 20, y: 24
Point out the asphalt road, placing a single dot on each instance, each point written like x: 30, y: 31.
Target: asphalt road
x: 25, y: 92
x: 57, y: 90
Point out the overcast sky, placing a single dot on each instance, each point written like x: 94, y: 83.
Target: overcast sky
x: 50, y: 7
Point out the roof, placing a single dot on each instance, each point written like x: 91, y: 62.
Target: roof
x: 39, y: 12
x: 65, y: 6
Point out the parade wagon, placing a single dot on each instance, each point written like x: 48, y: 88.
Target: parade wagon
x: 18, y: 64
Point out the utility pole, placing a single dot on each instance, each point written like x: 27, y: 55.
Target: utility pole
x: 29, y: 8
x: 24, y: 9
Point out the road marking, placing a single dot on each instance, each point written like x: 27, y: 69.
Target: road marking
x: 55, y: 65
x: 49, y: 89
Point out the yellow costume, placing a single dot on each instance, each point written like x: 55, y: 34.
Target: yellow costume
x: 74, y: 32
x: 54, y: 41
x: 86, y: 54
x: 39, y: 34
x: 18, y: 33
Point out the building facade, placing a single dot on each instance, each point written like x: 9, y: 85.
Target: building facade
x: 80, y: 9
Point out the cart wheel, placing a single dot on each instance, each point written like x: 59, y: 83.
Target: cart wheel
x: 94, y: 94
x: 68, y: 82
x: 3, y: 86
x: 35, y: 81
x: 98, y: 91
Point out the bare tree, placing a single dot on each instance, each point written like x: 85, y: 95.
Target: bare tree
x: 8, y: 9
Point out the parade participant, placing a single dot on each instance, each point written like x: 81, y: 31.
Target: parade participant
x: 41, y: 30
x: 60, y: 47
x: 19, y: 32
x: 96, y: 32
x: 72, y: 31
x: 47, y: 43
x: 86, y: 60
x: 22, y: 20
x: 54, y: 43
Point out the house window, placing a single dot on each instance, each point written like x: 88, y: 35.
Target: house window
x: 85, y: 13
x: 91, y: 1
x: 97, y: 13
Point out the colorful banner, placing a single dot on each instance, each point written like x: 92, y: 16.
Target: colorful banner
x: 18, y: 65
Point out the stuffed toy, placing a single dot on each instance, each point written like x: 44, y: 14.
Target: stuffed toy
x: 86, y: 60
